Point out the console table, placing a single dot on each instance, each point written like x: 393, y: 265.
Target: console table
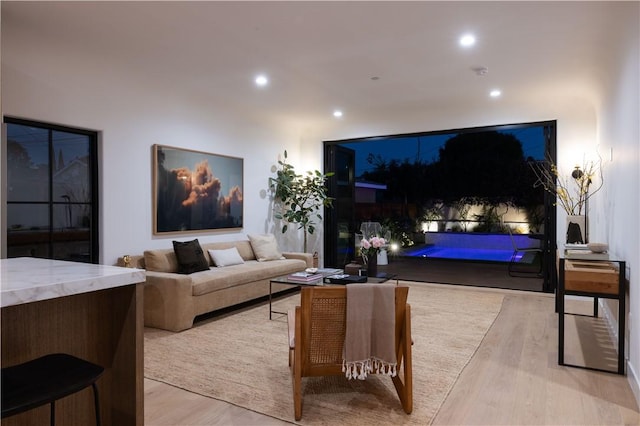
x: 592, y: 278
x: 93, y: 312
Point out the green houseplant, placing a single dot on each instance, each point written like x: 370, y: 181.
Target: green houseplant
x: 299, y: 197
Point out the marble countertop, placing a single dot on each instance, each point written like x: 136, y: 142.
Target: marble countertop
x: 28, y: 279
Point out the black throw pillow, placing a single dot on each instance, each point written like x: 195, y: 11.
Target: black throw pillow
x: 190, y: 257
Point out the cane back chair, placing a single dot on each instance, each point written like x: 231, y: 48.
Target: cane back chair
x: 316, y: 338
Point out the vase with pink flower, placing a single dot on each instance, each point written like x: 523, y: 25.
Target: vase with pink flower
x: 369, y: 249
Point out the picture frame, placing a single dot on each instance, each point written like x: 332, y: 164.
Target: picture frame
x: 195, y: 191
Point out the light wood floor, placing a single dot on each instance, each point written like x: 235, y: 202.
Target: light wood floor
x: 513, y: 379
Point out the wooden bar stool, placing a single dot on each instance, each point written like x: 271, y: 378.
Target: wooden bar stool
x: 46, y: 379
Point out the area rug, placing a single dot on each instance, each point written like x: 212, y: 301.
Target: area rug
x: 242, y: 358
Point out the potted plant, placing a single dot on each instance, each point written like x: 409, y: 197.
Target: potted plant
x: 299, y: 197
x: 572, y: 192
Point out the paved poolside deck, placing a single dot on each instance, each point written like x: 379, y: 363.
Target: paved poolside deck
x: 481, y: 274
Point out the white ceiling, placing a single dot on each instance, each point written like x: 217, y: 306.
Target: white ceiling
x: 323, y: 55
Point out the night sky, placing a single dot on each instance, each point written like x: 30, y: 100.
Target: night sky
x: 426, y: 148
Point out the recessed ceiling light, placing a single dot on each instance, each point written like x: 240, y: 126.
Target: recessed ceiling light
x: 495, y: 93
x: 467, y: 40
x: 261, y: 80
x: 337, y: 113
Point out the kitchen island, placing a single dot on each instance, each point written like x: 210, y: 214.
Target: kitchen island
x: 90, y: 311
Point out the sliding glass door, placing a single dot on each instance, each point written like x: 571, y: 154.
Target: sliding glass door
x: 339, y: 227
x: 462, y: 181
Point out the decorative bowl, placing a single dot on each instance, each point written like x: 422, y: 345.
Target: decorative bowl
x: 598, y: 247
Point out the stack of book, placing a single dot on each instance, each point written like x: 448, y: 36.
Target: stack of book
x: 329, y: 271
x: 304, y: 277
x: 582, y: 252
x: 345, y: 279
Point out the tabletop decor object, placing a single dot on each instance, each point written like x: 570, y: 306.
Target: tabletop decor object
x: 369, y: 249
x: 572, y: 192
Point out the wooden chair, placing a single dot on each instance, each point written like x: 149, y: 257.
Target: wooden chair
x: 316, y: 339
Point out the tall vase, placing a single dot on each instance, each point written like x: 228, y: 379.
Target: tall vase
x: 372, y: 265
x: 576, y: 230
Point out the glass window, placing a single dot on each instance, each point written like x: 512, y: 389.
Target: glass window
x: 52, y: 206
x: 27, y: 163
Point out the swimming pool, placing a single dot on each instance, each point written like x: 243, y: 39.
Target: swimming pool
x: 473, y: 246
x: 462, y: 253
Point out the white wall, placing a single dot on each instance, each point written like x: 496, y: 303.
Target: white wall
x: 615, y: 208
x: 131, y: 116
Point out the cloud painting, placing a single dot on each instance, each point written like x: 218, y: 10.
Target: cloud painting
x: 196, y: 191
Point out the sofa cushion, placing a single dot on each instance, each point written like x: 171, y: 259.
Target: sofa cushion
x: 226, y: 257
x: 252, y: 270
x: 163, y: 260
x: 243, y: 246
x: 190, y: 257
x: 265, y: 247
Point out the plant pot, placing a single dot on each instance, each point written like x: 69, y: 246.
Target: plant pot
x: 576, y: 230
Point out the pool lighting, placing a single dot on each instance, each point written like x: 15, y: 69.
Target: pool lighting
x: 431, y: 226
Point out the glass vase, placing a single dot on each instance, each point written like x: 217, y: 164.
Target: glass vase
x: 576, y: 230
x: 372, y: 265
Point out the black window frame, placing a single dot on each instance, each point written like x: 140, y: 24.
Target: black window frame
x: 92, y: 135
x: 548, y: 244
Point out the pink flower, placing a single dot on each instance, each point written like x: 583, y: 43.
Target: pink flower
x: 377, y: 242
x: 371, y: 246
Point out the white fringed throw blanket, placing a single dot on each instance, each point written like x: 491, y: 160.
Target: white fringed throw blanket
x: 370, y: 331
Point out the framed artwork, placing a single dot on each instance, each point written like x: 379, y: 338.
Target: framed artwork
x: 195, y: 191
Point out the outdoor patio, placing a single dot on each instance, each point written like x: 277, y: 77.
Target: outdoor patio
x: 459, y: 272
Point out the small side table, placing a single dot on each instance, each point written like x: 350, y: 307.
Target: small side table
x: 597, y: 279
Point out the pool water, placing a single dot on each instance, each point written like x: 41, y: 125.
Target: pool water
x: 463, y: 253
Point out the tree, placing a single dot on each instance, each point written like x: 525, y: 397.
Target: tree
x: 299, y: 197
x: 17, y: 156
x: 486, y: 165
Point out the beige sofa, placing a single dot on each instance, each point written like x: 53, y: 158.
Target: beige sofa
x: 173, y: 300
